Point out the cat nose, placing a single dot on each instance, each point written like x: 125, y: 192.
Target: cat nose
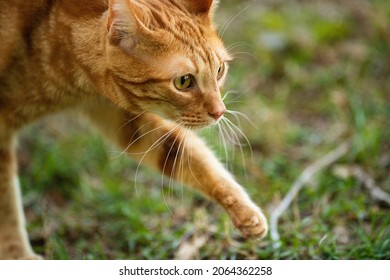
x: 217, y: 114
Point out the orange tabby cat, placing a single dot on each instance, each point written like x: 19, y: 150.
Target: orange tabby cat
x: 130, y: 66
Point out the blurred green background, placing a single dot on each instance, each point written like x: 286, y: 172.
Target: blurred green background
x: 310, y: 75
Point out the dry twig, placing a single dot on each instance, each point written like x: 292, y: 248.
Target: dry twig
x: 363, y: 177
x: 303, y: 179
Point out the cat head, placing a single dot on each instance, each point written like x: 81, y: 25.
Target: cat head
x: 166, y: 57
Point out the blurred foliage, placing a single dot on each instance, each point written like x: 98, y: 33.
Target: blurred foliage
x: 310, y: 75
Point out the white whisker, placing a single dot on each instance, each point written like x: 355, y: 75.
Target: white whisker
x: 237, y: 45
x: 132, y: 119
x: 190, y: 168
x: 157, y: 143
x: 174, y: 169
x: 232, y: 18
x: 236, y: 114
x: 235, y: 141
x: 226, y: 95
x: 182, y: 162
x: 222, y: 139
x: 125, y: 151
x: 232, y: 136
x: 236, y: 55
x: 227, y: 121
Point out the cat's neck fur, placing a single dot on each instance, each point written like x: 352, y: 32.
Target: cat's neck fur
x: 82, y: 55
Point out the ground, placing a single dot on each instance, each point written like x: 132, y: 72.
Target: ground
x: 310, y: 75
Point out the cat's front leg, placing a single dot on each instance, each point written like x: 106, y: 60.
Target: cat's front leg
x: 204, y: 172
x: 245, y: 215
x: 14, y: 243
x: 180, y: 154
x: 185, y: 157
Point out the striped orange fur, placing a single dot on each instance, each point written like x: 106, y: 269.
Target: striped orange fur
x: 159, y: 64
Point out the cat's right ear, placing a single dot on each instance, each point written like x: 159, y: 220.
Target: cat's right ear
x: 124, y: 23
x: 201, y: 7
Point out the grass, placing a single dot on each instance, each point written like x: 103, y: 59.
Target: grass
x: 310, y: 75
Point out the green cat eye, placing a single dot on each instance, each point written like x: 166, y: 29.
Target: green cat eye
x: 183, y: 82
x: 221, y: 71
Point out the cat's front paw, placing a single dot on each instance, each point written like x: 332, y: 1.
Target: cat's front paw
x: 249, y: 219
x: 245, y: 215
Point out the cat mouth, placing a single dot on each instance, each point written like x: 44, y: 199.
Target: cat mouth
x: 193, y: 124
x: 196, y: 124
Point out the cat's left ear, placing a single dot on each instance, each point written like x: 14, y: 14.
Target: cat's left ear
x: 124, y: 23
x: 201, y: 7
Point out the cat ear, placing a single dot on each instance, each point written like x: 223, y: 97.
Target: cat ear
x: 201, y: 6
x: 124, y: 23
